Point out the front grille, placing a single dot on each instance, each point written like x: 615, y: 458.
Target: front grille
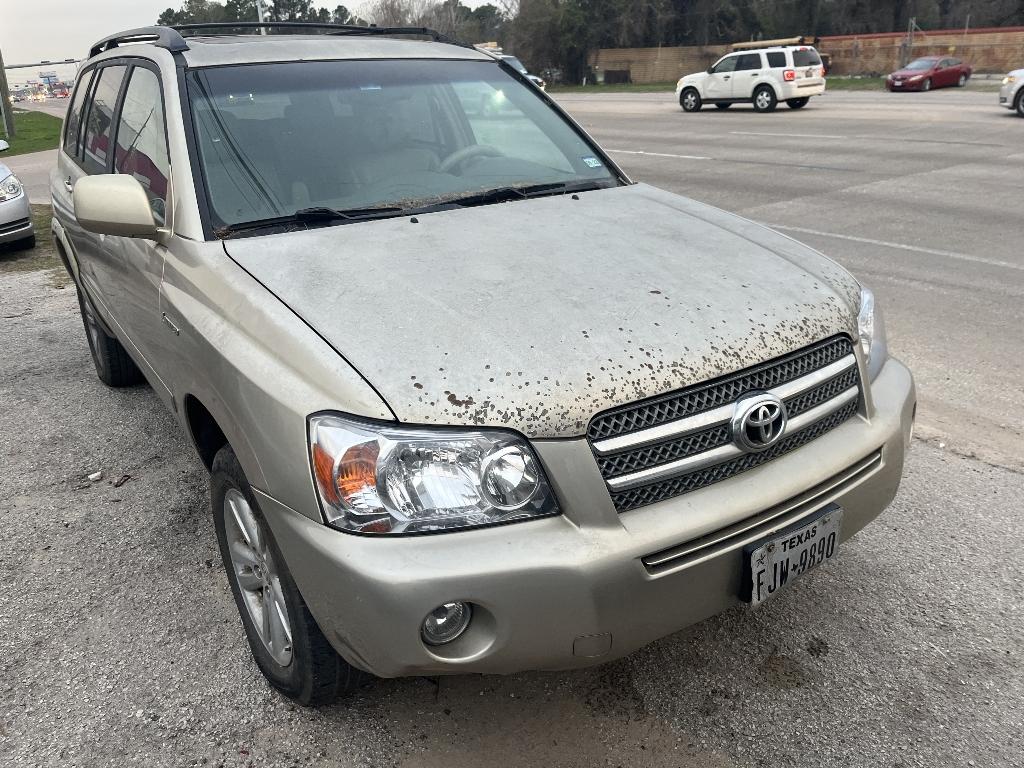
x: 13, y: 226
x: 677, y: 443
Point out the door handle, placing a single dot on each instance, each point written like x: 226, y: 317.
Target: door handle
x: 754, y: 74
x: 726, y: 77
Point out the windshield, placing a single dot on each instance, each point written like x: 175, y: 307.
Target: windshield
x: 274, y: 139
x: 921, y: 64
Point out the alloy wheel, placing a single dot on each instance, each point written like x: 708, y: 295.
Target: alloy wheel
x: 690, y: 100
x: 764, y: 100
x: 256, y: 573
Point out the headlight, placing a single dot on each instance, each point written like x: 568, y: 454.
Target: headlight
x: 10, y: 188
x: 872, y: 333
x: 385, y: 478
x: 1009, y: 79
x: 915, y: 78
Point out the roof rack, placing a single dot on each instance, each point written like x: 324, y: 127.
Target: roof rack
x: 334, y: 29
x: 164, y: 37
x: 172, y: 39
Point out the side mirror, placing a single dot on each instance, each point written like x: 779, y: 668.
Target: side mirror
x: 711, y: 70
x: 114, y: 204
x: 4, y: 145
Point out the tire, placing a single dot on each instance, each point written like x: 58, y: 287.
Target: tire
x: 926, y: 85
x: 723, y: 105
x: 798, y: 103
x: 1020, y: 103
x: 962, y: 81
x: 303, y: 666
x: 765, y: 99
x: 690, y: 100
x: 114, y: 366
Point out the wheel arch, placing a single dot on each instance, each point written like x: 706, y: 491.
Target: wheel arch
x: 203, y: 428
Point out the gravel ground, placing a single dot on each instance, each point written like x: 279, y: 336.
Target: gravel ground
x: 122, y: 645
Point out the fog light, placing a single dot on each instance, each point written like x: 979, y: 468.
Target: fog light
x: 446, y: 622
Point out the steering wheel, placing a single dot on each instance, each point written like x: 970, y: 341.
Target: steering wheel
x: 459, y: 156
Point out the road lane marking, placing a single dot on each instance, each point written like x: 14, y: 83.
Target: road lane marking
x: 657, y: 154
x: 789, y: 135
x: 901, y: 246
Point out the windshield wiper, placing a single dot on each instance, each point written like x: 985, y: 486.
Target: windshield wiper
x: 306, y: 216
x: 504, y: 194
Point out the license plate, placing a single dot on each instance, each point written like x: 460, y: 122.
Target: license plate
x: 774, y: 562
x: 897, y: 82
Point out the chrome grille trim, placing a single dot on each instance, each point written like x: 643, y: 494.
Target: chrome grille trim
x: 676, y: 443
x: 721, y: 414
x: 728, y: 451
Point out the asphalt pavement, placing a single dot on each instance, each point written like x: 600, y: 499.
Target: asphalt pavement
x: 123, y: 647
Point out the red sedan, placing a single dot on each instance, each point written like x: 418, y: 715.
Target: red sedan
x: 929, y: 72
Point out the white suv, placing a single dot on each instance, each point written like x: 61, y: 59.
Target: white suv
x: 764, y: 77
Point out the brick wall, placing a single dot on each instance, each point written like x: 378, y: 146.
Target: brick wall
x: 988, y: 50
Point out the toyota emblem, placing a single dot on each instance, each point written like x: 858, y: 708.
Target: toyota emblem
x: 759, y: 422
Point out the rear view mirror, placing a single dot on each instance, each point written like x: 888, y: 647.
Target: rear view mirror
x: 114, y: 204
x: 4, y: 145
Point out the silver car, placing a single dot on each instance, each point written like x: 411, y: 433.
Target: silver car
x: 15, y: 212
x: 471, y: 400
x: 1011, y: 94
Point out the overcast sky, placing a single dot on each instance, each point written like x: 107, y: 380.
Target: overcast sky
x: 53, y: 30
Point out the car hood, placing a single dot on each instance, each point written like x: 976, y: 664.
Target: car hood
x: 538, y: 314
x: 906, y: 74
x: 695, y: 77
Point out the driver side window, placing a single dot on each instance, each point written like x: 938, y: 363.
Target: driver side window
x: 727, y: 64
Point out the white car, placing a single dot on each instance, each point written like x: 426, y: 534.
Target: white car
x: 15, y: 213
x: 1011, y: 95
x: 763, y: 77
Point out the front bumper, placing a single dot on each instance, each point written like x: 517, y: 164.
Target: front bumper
x: 1006, y: 95
x: 15, y: 219
x: 591, y: 585
x: 906, y: 85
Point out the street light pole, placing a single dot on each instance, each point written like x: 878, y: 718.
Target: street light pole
x: 259, y: 14
x: 5, y: 101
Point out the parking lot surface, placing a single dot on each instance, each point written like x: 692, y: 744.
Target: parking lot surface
x: 123, y: 646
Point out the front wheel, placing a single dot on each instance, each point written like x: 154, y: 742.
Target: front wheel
x: 285, y: 640
x: 797, y: 103
x: 962, y: 81
x: 926, y: 85
x: 1020, y: 102
x: 765, y: 99
x: 690, y: 100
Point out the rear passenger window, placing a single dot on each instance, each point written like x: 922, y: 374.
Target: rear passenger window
x: 142, y: 139
x: 806, y: 57
x: 749, y: 61
x: 74, y: 118
x: 776, y: 59
x: 96, y: 143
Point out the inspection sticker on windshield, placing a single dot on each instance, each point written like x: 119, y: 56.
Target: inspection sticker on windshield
x: 772, y: 563
x: 592, y: 162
